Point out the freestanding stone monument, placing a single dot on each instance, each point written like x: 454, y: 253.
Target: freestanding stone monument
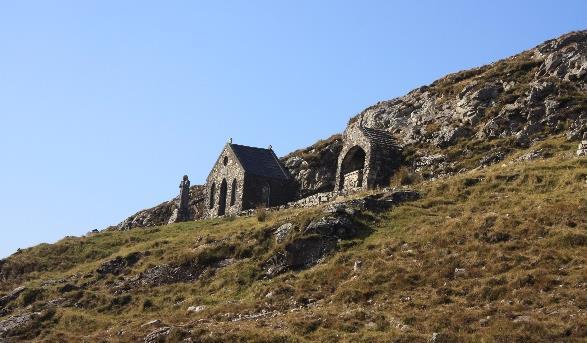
x: 183, y: 213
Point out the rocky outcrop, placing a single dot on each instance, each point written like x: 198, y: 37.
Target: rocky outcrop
x: 523, y: 98
x: 321, y: 236
x: 166, y: 274
x: 536, y: 92
x: 11, y: 296
x: 119, y: 264
x: 17, y: 324
x: 158, y: 336
x: 314, y: 168
x: 161, y: 214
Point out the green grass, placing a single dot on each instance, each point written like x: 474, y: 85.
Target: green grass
x: 519, y: 232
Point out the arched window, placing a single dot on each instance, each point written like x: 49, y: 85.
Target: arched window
x: 233, y: 193
x: 212, y: 195
x: 222, y: 198
x: 225, y: 160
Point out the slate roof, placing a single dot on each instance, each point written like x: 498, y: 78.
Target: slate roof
x: 379, y: 137
x: 259, y: 161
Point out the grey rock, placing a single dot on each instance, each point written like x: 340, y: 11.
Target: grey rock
x: 307, y: 251
x: 448, y: 136
x: 460, y: 272
x: 534, y: 155
x: 154, y: 322
x: 282, y: 232
x: 166, y: 274
x: 158, y: 336
x: 521, y: 319
x: 196, y: 309
x: 493, y: 157
x: 540, y: 90
x: 119, y: 264
x: 300, y: 253
x: 332, y: 225
x: 314, y: 168
x: 11, y: 296
x: 17, y: 323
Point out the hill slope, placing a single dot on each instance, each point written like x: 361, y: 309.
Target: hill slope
x: 462, y: 121
x: 474, y: 117
x: 488, y: 244
x: 492, y: 254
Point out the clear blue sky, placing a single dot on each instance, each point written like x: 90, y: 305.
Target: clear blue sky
x: 104, y: 105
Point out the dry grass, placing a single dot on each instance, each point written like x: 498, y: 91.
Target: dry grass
x: 261, y: 213
x: 404, y: 177
x: 494, y: 254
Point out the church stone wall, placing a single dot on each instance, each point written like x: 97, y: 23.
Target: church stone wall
x: 229, y: 172
x: 267, y: 192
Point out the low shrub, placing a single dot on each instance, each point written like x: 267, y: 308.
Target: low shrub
x: 261, y: 213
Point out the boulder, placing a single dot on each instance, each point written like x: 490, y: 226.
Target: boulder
x: 119, y: 264
x: 282, y: 232
x: 333, y: 225
x: 18, y: 323
x: 11, y: 296
x: 196, y: 309
x: 307, y: 251
x: 158, y: 336
x: 166, y: 274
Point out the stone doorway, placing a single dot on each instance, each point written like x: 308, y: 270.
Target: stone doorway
x: 222, y: 198
x: 352, y: 169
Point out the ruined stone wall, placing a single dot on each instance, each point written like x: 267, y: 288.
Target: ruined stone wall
x: 383, y: 164
x: 353, y: 180
x: 230, y: 171
x: 380, y: 161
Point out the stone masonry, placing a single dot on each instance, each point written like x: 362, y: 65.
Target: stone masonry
x: 244, y: 178
x: 184, y: 199
x: 367, y: 159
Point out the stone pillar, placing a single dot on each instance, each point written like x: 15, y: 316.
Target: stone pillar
x: 183, y: 213
x: 582, y: 150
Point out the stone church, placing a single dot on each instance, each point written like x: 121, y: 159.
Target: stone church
x: 367, y: 160
x: 244, y: 178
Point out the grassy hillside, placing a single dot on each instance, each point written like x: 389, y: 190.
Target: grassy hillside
x: 493, y: 254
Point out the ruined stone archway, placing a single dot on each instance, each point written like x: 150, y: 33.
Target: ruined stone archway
x: 222, y: 198
x: 352, y: 169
